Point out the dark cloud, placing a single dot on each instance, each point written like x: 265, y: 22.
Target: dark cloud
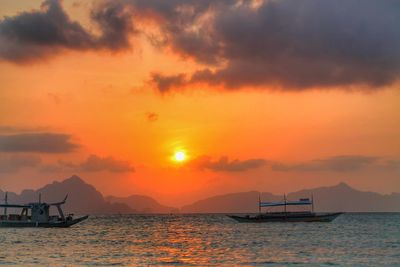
x: 151, y: 116
x: 14, y: 163
x: 346, y: 163
x: 225, y: 165
x: 186, y: 25
x: 93, y: 163
x: 290, y: 45
x: 165, y: 83
x: 115, y: 22
x: 37, y: 142
x: 279, y: 44
x: 37, y: 34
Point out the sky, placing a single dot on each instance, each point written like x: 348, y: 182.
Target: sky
x: 273, y: 96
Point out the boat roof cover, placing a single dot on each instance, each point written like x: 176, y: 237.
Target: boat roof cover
x: 14, y: 206
x: 304, y: 201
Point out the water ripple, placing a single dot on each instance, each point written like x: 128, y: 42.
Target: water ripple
x: 206, y: 240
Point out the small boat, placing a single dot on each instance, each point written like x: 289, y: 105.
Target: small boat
x: 37, y: 214
x: 288, y: 216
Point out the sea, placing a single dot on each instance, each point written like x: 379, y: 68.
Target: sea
x: 353, y: 239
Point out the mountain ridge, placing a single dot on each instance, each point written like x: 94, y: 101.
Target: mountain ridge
x: 152, y: 206
x: 340, y: 197
x: 84, y: 198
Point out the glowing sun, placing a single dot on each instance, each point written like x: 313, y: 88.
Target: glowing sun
x: 179, y: 156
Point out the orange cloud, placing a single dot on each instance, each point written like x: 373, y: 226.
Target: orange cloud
x: 226, y: 165
x: 93, y: 163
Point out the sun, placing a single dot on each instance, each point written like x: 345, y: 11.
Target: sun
x: 179, y: 156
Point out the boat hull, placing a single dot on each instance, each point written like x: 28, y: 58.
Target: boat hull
x: 288, y: 217
x: 60, y: 224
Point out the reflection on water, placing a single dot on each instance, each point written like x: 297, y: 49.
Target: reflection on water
x: 359, y: 239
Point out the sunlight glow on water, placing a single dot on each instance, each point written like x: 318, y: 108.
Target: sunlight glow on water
x: 352, y: 239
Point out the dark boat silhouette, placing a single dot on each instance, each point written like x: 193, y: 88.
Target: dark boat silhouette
x: 288, y: 216
x: 37, y: 214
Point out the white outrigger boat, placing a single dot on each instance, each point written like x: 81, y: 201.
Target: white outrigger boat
x: 37, y: 214
x: 288, y: 216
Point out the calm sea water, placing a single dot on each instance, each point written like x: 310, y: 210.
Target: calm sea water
x: 201, y: 240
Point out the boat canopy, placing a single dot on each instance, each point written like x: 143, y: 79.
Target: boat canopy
x: 303, y: 201
x: 14, y: 206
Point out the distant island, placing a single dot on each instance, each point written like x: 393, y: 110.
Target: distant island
x: 85, y: 199
x: 340, y: 197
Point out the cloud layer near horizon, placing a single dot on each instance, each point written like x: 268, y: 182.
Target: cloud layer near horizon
x: 37, y: 143
x: 14, y: 163
x: 282, y: 44
x: 226, y: 165
x: 345, y: 163
x: 93, y: 163
x: 340, y: 163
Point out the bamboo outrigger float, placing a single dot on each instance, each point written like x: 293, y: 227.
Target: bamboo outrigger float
x: 37, y: 214
x: 288, y: 216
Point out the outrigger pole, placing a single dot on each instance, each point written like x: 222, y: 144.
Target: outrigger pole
x: 6, y: 202
x: 259, y: 203
x: 58, y: 205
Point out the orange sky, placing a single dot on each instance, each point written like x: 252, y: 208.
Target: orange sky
x: 106, y: 103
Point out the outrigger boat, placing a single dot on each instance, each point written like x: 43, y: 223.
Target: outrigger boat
x: 37, y: 214
x: 288, y: 216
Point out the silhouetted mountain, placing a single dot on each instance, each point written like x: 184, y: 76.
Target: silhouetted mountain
x: 335, y: 198
x: 142, y: 204
x: 345, y: 198
x: 231, y: 203
x: 83, y: 198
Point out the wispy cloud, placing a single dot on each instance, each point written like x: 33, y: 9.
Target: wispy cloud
x: 345, y: 163
x: 151, y: 116
x: 11, y: 129
x: 226, y: 165
x: 336, y: 164
x: 96, y: 163
x: 93, y: 163
x: 14, y: 163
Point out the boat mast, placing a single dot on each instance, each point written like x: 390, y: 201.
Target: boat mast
x: 6, y: 202
x: 259, y: 203
x: 284, y: 198
x: 312, y: 202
